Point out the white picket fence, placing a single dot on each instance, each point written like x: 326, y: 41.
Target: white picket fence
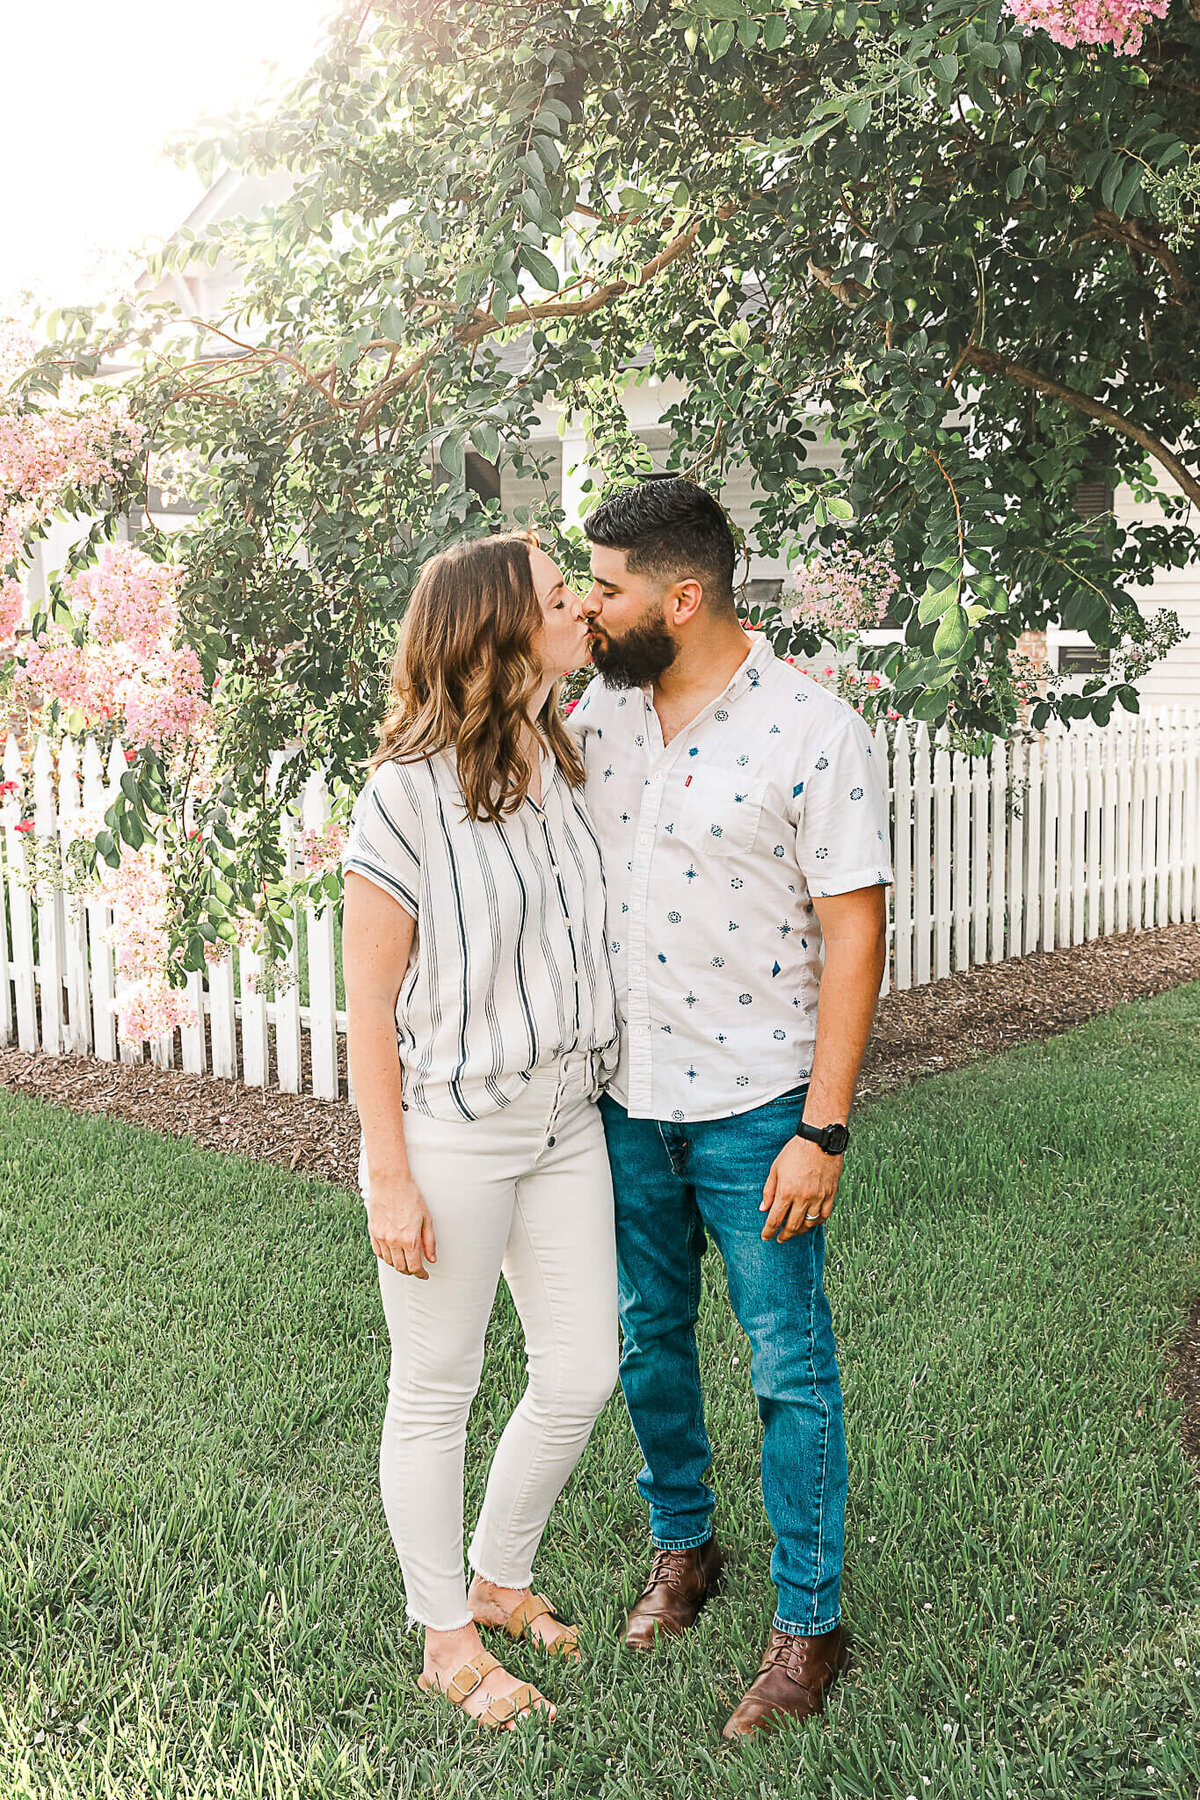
x: 1046, y: 842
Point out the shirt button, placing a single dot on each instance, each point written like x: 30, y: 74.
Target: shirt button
x: 549, y: 1143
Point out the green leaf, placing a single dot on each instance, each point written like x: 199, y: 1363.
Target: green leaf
x: 838, y: 508
x: 1128, y: 189
x: 539, y: 266
x: 951, y: 634
x: 486, y: 440
x: 452, y: 457
x: 934, y: 602
x: 930, y: 706
x: 775, y: 30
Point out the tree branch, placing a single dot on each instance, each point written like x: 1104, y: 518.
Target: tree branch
x: 989, y: 362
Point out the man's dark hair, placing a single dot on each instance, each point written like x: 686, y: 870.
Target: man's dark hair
x: 671, y: 528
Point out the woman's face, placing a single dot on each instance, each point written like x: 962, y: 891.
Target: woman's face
x: 561, y: 641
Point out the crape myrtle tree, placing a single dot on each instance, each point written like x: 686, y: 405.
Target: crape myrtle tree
x: 959, y: 240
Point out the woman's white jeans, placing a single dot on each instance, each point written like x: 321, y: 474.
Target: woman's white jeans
x: 525, y: 1192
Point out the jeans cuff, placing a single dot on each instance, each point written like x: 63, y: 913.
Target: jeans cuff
x: 499, y: 1581
x: 689, y: 1543
x: 416, y: 1622
x: 806, y: 1630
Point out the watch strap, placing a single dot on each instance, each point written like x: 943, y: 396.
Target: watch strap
x: 832, y: 1139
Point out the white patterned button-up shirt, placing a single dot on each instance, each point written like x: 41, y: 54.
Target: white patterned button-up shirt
x: 714, y: 847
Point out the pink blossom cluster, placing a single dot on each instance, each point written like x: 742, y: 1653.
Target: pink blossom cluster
x: 321, y: 850
x: 1076, y: 24
x: 43, y: 455
x: 131, y: 599
x: 137, y: 890
x: 12, y: 606
x: 843, y: 595
x: 127, y: 669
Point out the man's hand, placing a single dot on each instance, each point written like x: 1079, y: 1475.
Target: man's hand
x: 800, y: 1190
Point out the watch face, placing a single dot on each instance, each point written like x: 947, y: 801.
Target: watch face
x: 837, y: 1137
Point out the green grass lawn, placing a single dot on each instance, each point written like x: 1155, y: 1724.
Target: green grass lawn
x: 198, y: 1596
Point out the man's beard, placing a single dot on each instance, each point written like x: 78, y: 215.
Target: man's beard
x: 644, y: 653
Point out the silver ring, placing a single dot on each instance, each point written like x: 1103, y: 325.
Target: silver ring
x: 815, y: 1215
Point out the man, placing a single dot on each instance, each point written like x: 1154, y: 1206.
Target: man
x: 744, y: 827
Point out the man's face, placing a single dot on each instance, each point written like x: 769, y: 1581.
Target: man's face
x: 631, y: 644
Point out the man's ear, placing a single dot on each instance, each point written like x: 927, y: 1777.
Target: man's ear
x: 683, y: 601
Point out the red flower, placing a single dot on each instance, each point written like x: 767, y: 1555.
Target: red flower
x: 24, y: 825
x: 8, y: 787
x: 131, y: 756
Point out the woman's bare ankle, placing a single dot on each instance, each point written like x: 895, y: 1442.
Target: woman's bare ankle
x: 447, y: 1651
x: 492, y: 1604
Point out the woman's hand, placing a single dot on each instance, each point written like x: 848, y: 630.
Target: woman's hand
x: 400, y: 1226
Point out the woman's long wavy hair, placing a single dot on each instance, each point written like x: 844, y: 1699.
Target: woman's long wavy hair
x: 465, y: 671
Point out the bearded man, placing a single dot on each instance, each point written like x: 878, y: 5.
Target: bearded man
x: 744, y: 830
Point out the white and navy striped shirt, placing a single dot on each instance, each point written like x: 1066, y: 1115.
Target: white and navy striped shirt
x: 509, y: 967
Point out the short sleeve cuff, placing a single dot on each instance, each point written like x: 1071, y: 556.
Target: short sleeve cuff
x: 382, y: 878
x: 829, y: 883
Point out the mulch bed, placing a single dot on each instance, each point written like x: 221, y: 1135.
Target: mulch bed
x: 922, y: 1031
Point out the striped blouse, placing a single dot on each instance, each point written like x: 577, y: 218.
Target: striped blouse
x: 509, y: 966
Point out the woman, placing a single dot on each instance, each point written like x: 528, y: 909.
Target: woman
x: 482, y: 1020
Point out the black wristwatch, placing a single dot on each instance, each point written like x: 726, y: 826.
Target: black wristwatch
x: 832, y: 1138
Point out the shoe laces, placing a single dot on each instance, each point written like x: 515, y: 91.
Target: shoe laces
x: 668, y: 1570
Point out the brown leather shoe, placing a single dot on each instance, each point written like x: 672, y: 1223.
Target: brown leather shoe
x: 680, y: 1582
x: 795, y: 1676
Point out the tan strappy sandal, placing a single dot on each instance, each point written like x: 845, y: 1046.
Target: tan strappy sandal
x: 538, y: 1607
x: 501, y: 1711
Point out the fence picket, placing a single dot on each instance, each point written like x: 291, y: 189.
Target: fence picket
x: 255, y: 1043
x: 998, y: 846
x: 1031, y: 923
x: 222, y: 1017
x: 7, y: 1011
x: 943, y: 807
x: 1191, y: 814
x: 75, y: 950
x: 20, y: 906
x: 117, y: 765
x: 49, y: 907
x: 99, y: 922
x: 961, y: 860
x: 922, y: 858
x: 1177, y: 816
x: 902, y: 830
x: 1015, y: 802
x: 1051, y: 800
x: 287, y: 992
x: 979, y: 859
x: 322, y: 974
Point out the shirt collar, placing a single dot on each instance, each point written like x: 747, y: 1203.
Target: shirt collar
x: 747, y: 674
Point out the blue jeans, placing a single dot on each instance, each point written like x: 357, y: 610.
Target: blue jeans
x: 675, y: 1185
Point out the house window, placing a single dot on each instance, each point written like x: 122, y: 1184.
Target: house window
x: 1083, y: 659
x: 761, y: 591
x: 1094, y: 497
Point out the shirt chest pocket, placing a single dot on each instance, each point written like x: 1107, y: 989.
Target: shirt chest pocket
x: 720, y: 813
